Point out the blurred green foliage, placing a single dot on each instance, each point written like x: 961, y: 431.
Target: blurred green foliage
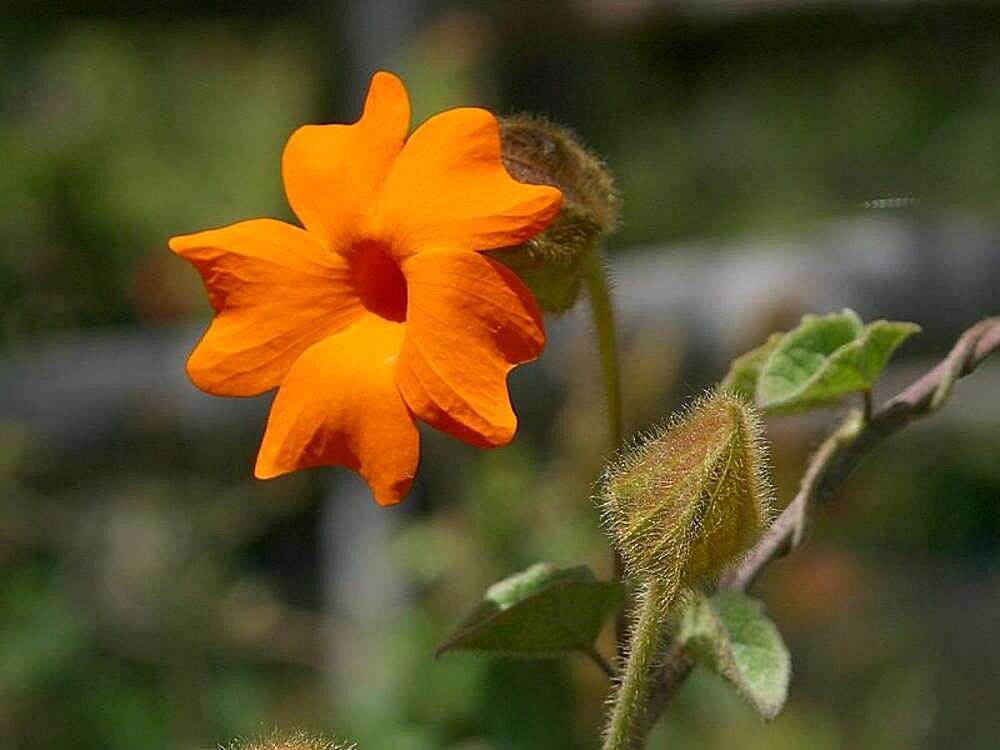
x: 115, y: 136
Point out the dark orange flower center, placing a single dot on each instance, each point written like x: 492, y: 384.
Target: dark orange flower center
x: 379, y: 282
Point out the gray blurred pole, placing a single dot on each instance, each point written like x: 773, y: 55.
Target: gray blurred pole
x: 361, y: 592
x: 372, y: 33
x: 359, y: 586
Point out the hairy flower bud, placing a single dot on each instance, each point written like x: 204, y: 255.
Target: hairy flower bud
x: 692, y: 497
x: 296, y: 741
x: 537, y: 152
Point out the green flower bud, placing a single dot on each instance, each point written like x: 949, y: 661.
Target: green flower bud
x: 690, y: 499
x: 297, y: 741
x: 537, y: 152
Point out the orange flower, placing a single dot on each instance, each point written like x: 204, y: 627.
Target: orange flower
x: 381, y: 310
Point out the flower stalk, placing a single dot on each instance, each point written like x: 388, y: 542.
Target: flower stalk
x: 602, y: 311
x: 652, y: 608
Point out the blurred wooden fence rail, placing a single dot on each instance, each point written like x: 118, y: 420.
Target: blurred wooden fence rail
x: 108, y: 384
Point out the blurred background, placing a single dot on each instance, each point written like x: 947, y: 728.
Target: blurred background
x: 153, y: 595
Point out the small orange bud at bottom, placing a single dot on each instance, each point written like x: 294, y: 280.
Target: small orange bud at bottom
x: 692, y: 497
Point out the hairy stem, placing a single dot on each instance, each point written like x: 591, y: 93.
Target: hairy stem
x: 831, y: 465
x: 630, y: 700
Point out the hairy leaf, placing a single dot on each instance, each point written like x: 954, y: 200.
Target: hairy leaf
x: 541, y: 611
x: 730, y: 635
x: 826, y: 357
x: 745, y: 370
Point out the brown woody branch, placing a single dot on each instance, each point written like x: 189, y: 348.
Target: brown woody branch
x: 832, y: 464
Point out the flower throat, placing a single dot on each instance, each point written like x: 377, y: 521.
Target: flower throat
x: 379, y: 282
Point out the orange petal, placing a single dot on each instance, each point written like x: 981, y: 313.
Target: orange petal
x: 340, y: 406
x: 448, y: 188
x: 275, y: 290
x: 333, y: 173
x: 469, y: 322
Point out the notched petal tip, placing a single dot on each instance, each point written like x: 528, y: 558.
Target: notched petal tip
x: 384, y: 495
x: 339, y: 406
x: 200, y: 375
x: 393, y: 494
x: 259, y: 329
x: 449, y: 188
x: 181, y: 243
x: 385, y: 85
x: 334, y: 173
x: 268, y: 470
x: 543, y: 203
x: 550, y: 201
x: 218, y: 237
x: 500, y: 434
x: 207, y: 371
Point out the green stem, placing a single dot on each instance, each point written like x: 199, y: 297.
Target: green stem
x: 599, y: 291
x: 630, y: 701
x: 602, y: 310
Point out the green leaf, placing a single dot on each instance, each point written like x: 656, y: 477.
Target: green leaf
x: 744, y: 372
x: 730, y: 635
x: 825, y: 358
x: 541, y: 611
